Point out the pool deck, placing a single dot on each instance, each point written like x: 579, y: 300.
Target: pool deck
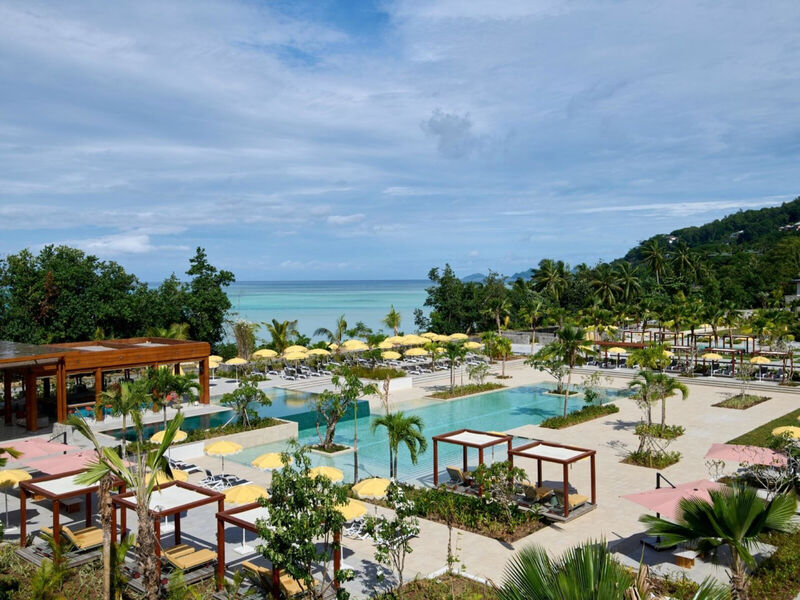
x: 615, y: 519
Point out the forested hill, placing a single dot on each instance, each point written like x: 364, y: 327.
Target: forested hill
x: 753, y: 229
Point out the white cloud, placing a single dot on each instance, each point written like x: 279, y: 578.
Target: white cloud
x: 345, y: 219
x: 126, y: 243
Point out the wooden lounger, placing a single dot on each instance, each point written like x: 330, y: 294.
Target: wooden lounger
x: 457, y: 475
x: 575, y: 500
x: 290, y: 587
x: 185, y: 561
x: 87, y: 538
x: 536, y: 494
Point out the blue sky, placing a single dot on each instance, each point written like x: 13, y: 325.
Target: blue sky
x: 355, y: 140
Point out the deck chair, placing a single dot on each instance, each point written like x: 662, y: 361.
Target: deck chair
x: 536, y: 494
x: 575, y: 500
x: 290, y: 587
x: 186, y: 558
x: 84, y: 539
x: 458, y: 476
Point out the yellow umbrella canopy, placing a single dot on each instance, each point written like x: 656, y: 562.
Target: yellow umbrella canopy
x: 668, y: 354
x: 712, y: 356
x: 331, y: 473
x: 177, y: 475
x: 440, y: 350
x: 235, y: 362
x: 295, y: 348
x: 617, y: 350
x: 472, y: 345
x: 318, y: 352
x: 390, y: 355
x: 386, y: 345
x: 222, y: 448
x: 375, y: 488
x: 158, y: 437
x: 395, y: 339
x: 295, y: 355
x: 352, y: 510
x: 417, y: 352
x: 760, y: 360
x: 268, y: 461
x: 411, y: 340
x: 333, y: 346
x: 215, y: 358
x: 789, y: 430
x: 442, y: 338
x: 458, y: 336
x: 354, y: 345
x: 430, y: 335
x: 245, y: 493
x: 265, y: 353
x: 213, y: 364
x: 12, y: 477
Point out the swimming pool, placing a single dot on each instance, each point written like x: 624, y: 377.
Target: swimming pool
x: 493, y: 411
x: 292, y: 405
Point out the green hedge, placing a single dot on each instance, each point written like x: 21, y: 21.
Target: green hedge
x: 587, y: 413
x: 466, y: 390
x: 377, y: 373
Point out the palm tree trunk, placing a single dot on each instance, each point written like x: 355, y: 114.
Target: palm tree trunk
x: 147, y: 551
x: 533, y: 338
x: 663, y: 412
x: 566, y: 392
x: 739, y: 580
x: 124, y: 439
x: 504, y: 365
x: 104, y: 495
x: 355, y: 441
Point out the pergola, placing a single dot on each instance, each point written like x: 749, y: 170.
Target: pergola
x: 57, y: 362
x: 58, y: 488
x: 559, y: 454
x: 169, y: 499
x: 245, y: 517
x: 467, y: 438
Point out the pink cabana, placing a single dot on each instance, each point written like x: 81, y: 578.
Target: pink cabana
x: 37, y: 447
x: 753, y: 455
x: 62, y: 463
x: 665, y: 501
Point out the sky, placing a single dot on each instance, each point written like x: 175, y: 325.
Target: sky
x: 359, y: 140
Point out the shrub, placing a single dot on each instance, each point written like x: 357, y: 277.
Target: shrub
x: 667, y: 432
x: 587, y: 413
x: 741, y: 401
x: 778, y: 576
x: 377, y: 373
x: 466, y: 390
x: 652, y: 459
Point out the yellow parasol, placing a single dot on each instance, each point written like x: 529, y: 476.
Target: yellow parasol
x: 472, y: 345
x: 375, y: 488
x: 295, y: 348
x: 318, y: 352
x: 10, y: 478
x: 442, y: 338
x: 268, y: 461
x: 384, y: 345
x: 158, y: 437
x: 668, y: 354
x: 712, y: 356
x: 458, y: 336
x: 236, y: 362
x: 295, y: 356
x: 430, y: 335
x: 791, y: 431
x: 395, y: 339
x: 333, y: 346
x: 417, y: 352
x: 331, y: 473
x: 352, y: 510
x: 245, y: 493
x: 215, y: 358
x: 616, y: 350
x: 760, y: 360
x: 353, y: 346
x: 222, y: 448
x: 177, y: 475
x: 265, y: 353
x: 440, y: 350
x: 390, y: 355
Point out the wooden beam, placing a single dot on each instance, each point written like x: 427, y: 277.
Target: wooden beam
x: 61, y: 392
x: 31, y: 407
x: 7, y: 397
x: 205, y: 386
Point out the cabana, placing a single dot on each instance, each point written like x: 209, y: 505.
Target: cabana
x: 245, y: 517
x: 171, y: 499
x: 467, y: 438
x: 58, y: 488
x: 562, y: 455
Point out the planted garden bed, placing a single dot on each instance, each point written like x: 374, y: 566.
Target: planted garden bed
x: 742, y: 401
x: 443, y: 587
x: 662, y: 432
x: 587, y: 413
x: 761, y: 435
x: 652, y: 460
x: 466, y: 390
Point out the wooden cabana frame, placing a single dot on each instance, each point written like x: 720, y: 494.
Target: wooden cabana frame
x: 39, y: 487
x: 233, y: 516
x: 536, y: 451
x: 127, y: 501
x: 29, y: 362
x: 452, y: 437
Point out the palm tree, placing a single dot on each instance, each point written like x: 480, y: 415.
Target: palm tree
x: 176, y: 331
x: 282, y: 333
x: 503, y: 347
x: 139, y: 478
x: 653, y: 255
x: 125, y: 398
x: 652, y: 386
x: 392, y: 320
x: 454, y: 352
x: 551, y: 278
x: 531, y: 312
x: 402, y: 429
x: 336, y: 335
x: 628, y: 280
x: 605, y: 283
x: 244, y: 332
x: 735, y: 517
x: 496, y: 308
x: 571, y: 348
x: 683, y: 261
x: 653, y: 357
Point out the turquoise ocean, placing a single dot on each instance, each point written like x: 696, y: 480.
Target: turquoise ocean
x: 317, y: 304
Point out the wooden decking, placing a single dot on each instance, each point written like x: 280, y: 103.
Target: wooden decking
x: 189, y: 577
x: 74, y: 559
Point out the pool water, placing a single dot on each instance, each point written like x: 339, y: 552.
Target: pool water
x: 493, y: 411
x: 292, y: 405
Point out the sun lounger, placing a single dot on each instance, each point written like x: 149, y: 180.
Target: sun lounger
x: 575, y: 500
x: 87, y: 538
x: 536, y: 494
x: 290, y: 587
x: 458, y: 476
x: 186, y: 560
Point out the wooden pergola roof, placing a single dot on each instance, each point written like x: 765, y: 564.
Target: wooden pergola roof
x: 467, y: 438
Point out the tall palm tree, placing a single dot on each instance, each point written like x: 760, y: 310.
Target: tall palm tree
x: 531, y: 312
x: 392, y: 320
x: 336, y: 335
x: 139, y: 478
x: 551, y: 277
x: 571, y: 348
x: 282, y: 333
x: 651, y: 387
x: 628, y: 280
x: 402, y: 429
x: 735, y: 517
x: 176, y: 331
x: 454, y: 352
x: 496, y: 308
x: 655, y: 258
x: 125, y: 398
x: 605, y: 283
x: 652, y: 356
x: 683, y: 261
x: 503, y: 348
x: 244, y: 332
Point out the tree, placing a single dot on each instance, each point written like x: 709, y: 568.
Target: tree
x: 139, y: 478
x: 478, y: 372
x: 336, y: 335
x: 282, y: 333
x: 402, y: 429
x: 606, y: 284
x: 244, y: 333
x: 125, y: 398
x: 571, y: 348
x: 503, y: 347
x: 206, y: 302
x: 392, y: 533
x: 735, y: 517
x: 241, y: 399
x: 447, y: 298
x: 164, y: 387
x: 628, y: 280
x: 651, y: 387
x: 654, y: 257
x: 454, y: 352
x: 302, y: 513
x: 551, y: 278
x: 496, y: 304
x: 392, y: 320
x: 176, y: 331
x: 531, y: 314
x: 545, y: 361
x: 333, y: 405
x: 652, y: 356
x: 497, y: 487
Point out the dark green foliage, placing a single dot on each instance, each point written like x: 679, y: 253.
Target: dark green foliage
x: 466, y: 390
x: 778, y: 577
x: 762, y: 435
x: 662, y: 432
x: 377, y: 373
x: 652, y: 459
x: 587, y: 413
x: 742, y: 401
x: 63, y: 295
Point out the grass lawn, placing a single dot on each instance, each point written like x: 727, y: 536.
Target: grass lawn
x: 760, y: 435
